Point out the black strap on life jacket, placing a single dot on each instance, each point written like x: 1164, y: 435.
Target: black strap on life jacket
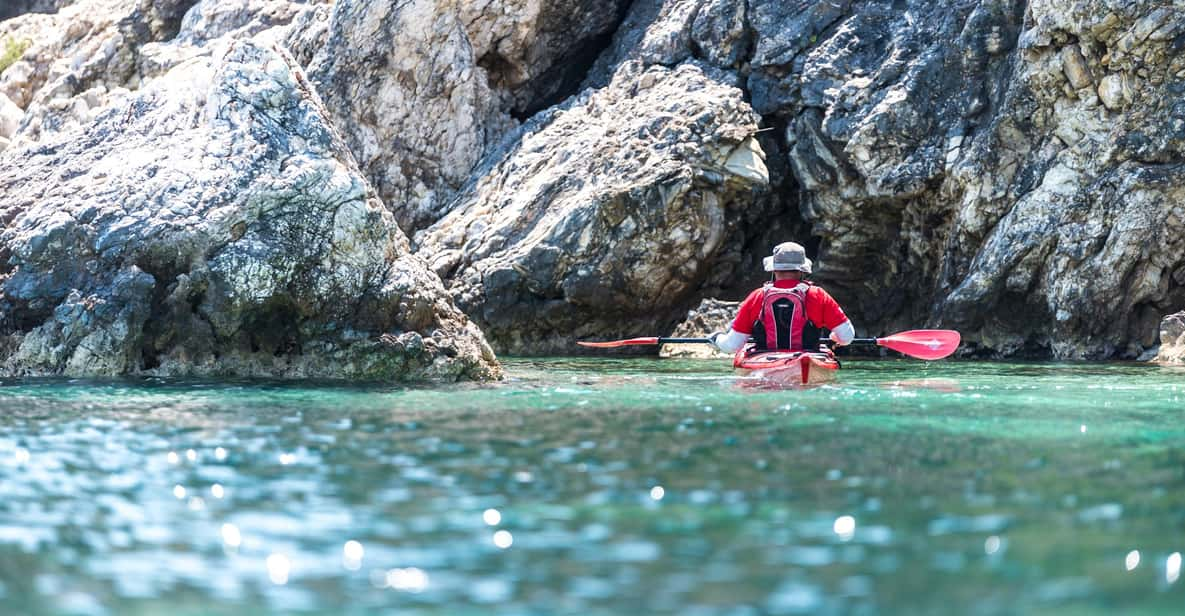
x: 783, y: 315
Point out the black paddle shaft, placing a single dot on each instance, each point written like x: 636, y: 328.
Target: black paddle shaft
x: 709, y: 341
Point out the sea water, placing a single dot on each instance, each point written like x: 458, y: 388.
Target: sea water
x: 632, y: 486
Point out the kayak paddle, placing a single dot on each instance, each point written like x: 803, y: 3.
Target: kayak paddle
x: 612, y: 344
x: 920, y: 343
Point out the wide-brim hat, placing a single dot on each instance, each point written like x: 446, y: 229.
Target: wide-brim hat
x: 787, y: 257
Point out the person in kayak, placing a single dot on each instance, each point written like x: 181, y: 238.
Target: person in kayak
x: 787, y: 313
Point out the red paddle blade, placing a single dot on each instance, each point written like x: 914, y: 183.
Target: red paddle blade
x: 618, y: 343
x: 923, y: 343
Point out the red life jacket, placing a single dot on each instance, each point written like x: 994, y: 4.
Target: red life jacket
x: 782, y: 320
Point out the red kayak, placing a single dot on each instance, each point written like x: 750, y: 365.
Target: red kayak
x: 789, y: 368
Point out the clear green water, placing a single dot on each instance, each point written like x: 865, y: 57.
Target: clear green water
x: 972, y: 488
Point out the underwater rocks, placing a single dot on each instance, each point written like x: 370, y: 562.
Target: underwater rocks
x: 215, y: 224
x: 1172, y: 339
x: 606, y: 214
x: 712, y: 315
x: 423, y: 89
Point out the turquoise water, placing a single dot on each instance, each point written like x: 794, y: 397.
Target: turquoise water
x: 586, y: 486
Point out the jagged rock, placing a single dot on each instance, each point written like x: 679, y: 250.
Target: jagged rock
x: 1075, y: 67
x: 1009, y: 169
x: 424, y: 88
x: 81, y: 58
x: 15, y: 8
x: 215, y: 223
x: 712, y: 315
x: 1111, y: 92
x: 10, y: 117
x: 957, y: 164
x: 606, y: 215
x: 93, y: 53
x: 299, y: 25
x: 1172, y: 339
x: 959, y: 170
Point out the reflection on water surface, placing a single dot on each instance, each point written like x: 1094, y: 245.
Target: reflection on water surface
x: 600, y: 487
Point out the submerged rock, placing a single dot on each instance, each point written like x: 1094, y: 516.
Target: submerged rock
x: 712, y: 315
x: 1172, y: 339
x: 215, y: 223
x: 606, y: 216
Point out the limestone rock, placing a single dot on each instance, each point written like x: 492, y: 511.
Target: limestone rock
x: 93, y: 53
x: 1111, y: 92
x: 1009, y: 169
x: 210, y: 24
x: 1172, y: 339
x: 15, y: 8
x: 10, y: 117
x: 215, y: 223
x: 423, y: 89
x: 606, y: 215
x: 1075, y: 67
x: 957, y: 170
x: 78, y: 56
x: 712, y: 315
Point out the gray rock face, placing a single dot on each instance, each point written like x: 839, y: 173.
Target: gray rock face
x: 215, y: 223
x: 298, y: 25
x: 424, y: 88
x: 712, y: 315
x: 1172, y: 339
x: 606, y: 215
x: 15, y: 8
x: 80, y: 59
x: 94, y: 53
x: 1009, y: 169
x: 962, y: 170
x: 1013, y: 170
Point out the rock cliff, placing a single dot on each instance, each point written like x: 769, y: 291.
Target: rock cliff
x: 14, y: 8
x: 215, y: 223
x: 424, y: 89
x: 1172, y: 339
x: 608, y: 212
x: 1014, y: 169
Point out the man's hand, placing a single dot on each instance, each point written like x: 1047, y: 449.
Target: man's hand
x: 729, y: 342
x: 843, y: 334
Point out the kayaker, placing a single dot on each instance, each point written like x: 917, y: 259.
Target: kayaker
x: 787, y: 313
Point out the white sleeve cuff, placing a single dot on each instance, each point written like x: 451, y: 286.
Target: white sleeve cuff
x: 844, y: 333
x: 732, y: 341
